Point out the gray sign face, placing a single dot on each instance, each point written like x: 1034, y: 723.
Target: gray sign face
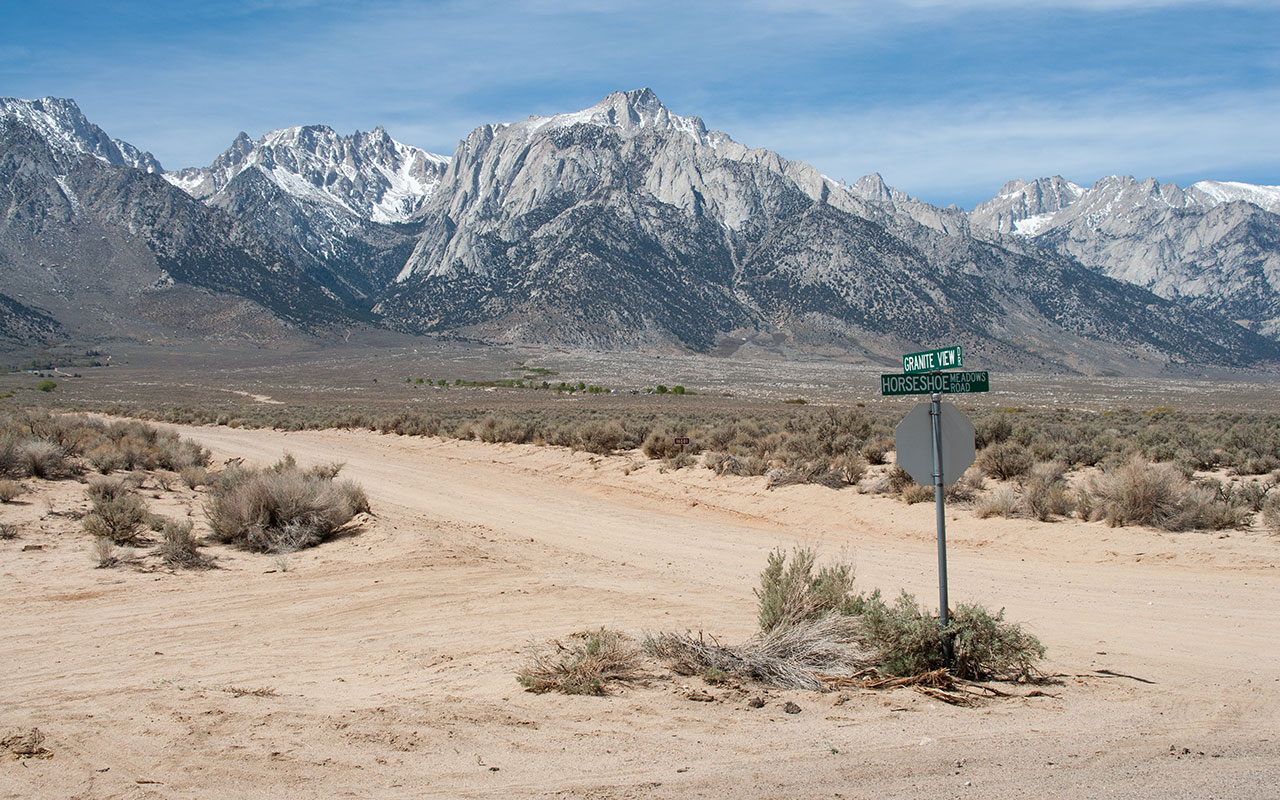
x: 914, y: 439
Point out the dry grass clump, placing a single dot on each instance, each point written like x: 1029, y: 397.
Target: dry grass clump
x: 179, y: 549
x: 726, y: 464
x: 1003, y: 501
x: 1142, y: 493
x: 107, y: 555
x: 918, y: 493
x: 282, y: 508
x: 586, y: 665
x: 791, y: 657
x: 117, y: 514
x: 10, y: 490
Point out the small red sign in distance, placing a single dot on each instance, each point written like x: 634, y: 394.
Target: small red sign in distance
x: 682, y: 440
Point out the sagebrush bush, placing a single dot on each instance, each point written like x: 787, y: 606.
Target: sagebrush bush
x: 1271, y: 513
x: 10, y: 490
x: 909, y: 641
x: 814, y: 624
x: 661, y: 442
x: 1045, y: 493
x: 116, y: 514
x: 179, y: 549
x: 1142, y: 493
x: 194, y: 476
x: 792, y: 592
x: 104, y: 553
x: 601, y: 437
x: 1005, y: 460
x: 280, y: 509
x: 586, y: 665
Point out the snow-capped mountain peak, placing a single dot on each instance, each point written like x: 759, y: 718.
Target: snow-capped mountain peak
x: 1214, y: 192
x: 628, y: 113
x: 370, y: 175
x: 61, y: 123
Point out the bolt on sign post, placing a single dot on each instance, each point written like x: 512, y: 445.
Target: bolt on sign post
x: 935, y: 442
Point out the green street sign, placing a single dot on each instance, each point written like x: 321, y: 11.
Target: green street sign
x: 944, y: 382
x: 933, y: 360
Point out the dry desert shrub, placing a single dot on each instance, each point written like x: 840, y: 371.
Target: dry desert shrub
x: 791, y: 657
x: 504, y: 429
x: 37, y: 458
x: 661, y: 442
x: 8, y: 531
x: 1271, y: 513
x: 1045, y: 493
x: 814, y: 625
x: 282, y: 508
x: 908, y: 641
x: 791, y: 593
x: 106, y: 554
x: 850, y: 468
x: 117, y: 514
x: 968, y: 487
x: 819, y: 472
x: 194, y: 476
x: 586, y: 665
x: 10, y: 490
x: 1003, y: 501
x: 918, y: 493
x: 900, y: 480
x: 1142, y: 493
x: 726, y: 464
x: 1005, y: 460
x: 410, y: 423
x: 877, y: 451
x: 600, y: 437
x: 179, y: 549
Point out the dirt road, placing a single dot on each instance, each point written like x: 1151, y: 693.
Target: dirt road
x: 382, y: 664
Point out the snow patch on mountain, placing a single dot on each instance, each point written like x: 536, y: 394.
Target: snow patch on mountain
x: 627, y: 112
x: 369, y: 175
x: 1266, y: 197
x: 61, y: 123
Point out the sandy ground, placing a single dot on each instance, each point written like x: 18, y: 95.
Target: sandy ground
x: 382, y: 664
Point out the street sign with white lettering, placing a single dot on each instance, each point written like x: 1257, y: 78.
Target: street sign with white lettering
x: 933, y: 360
x: 944, y: 382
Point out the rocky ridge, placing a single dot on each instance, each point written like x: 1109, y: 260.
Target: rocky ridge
x: 620, y: 226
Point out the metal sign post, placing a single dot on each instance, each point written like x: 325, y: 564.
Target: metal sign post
x: 940, y: 465
x: 939, y: 496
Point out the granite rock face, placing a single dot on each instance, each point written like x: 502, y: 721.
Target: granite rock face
x: 625, y: 225
x: 1215, y: 245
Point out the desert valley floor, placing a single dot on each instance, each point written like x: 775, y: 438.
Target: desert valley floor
x: 382, y: 663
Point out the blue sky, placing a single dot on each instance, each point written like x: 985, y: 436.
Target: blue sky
x: 947, y: 99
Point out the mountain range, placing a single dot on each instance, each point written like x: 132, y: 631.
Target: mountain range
x: 621, y: 226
